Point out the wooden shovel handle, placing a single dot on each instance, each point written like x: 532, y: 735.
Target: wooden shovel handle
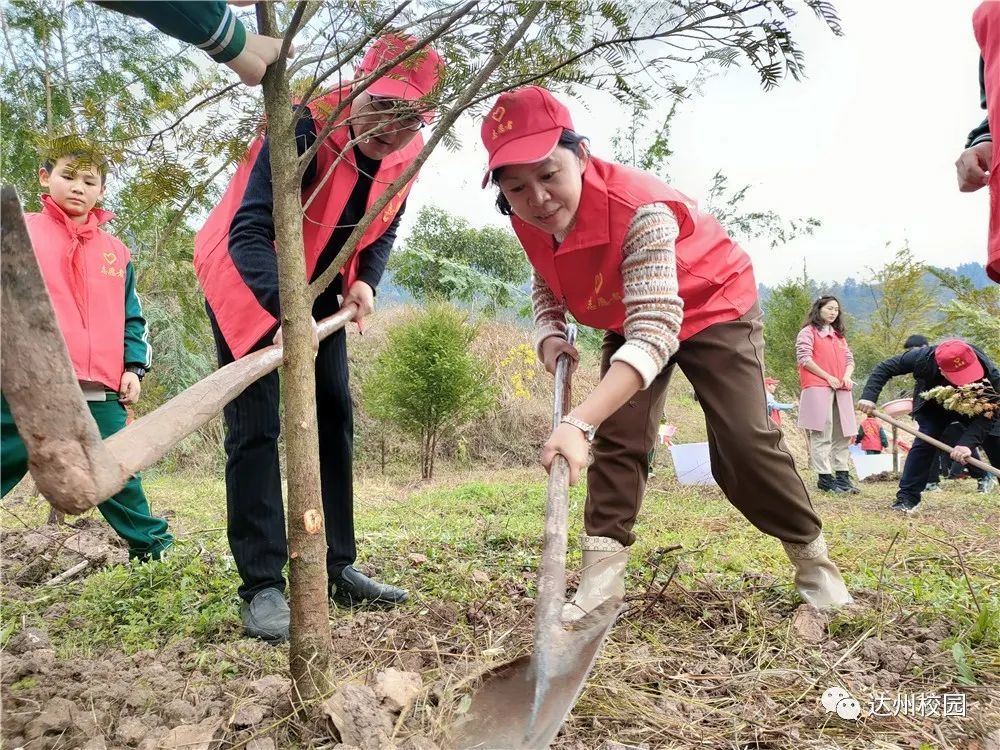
x: 936, y: 443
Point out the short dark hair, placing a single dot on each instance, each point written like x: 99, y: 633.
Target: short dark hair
x: 569, y: 140
x: 87, y: 160
x: 916, y: 341
x: 814, y: 318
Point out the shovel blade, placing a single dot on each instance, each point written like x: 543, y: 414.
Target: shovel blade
x: 504, y: 715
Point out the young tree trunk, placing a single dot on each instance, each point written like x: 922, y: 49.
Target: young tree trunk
x: 423, y: 453
x: 431, y: 451
x: 311, y: 647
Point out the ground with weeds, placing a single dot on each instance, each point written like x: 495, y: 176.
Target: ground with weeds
x: 713, y: 650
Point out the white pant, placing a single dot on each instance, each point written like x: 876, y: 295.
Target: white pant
x: 828, y: 447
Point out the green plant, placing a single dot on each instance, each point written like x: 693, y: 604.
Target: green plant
x: 426, y: 381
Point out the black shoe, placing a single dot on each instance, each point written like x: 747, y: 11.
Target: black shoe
x: 827, y: 483
x: 352, y: 588
x: 843, y: 483
x: 904, y: 506
x: 986, y: 484
x: 266, y: 617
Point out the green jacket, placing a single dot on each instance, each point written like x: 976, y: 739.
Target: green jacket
x: 209, y: 25
x: 137, y: 348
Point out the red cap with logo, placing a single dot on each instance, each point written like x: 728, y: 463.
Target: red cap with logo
x: 523, y: 127
x: 771, y: 381
x: 958, y: 362
x: 412, y: 79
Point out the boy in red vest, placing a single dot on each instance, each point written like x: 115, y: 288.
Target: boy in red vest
x: 89, y: 277
x: 871, y: 436
x: 374, y: 141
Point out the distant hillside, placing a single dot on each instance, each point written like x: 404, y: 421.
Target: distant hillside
x: 858, y: 301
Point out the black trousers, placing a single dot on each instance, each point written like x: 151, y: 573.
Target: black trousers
x: 923, y: 456
x: 945, y: 466
x: 255, y: 513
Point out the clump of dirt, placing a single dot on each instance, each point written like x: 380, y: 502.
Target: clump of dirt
x: 880, y: 477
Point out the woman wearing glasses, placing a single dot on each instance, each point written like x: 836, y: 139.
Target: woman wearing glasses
x: 373, y: 142
x: 628, y: 254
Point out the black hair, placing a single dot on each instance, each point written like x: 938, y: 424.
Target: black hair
x: 83, y: 158
x: 916, y: 341
x: 569, y: 140
x: 815, y: 319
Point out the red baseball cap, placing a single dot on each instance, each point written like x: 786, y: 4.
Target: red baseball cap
x: 771, y: 381
x: 958, y: 362
x: 413, y: 79
x: 523, y: 127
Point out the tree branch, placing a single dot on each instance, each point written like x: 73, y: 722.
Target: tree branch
x: 462, y: 102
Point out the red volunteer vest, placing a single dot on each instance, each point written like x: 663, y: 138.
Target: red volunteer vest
x: 239, y: 315
x: 872, y: 439
x: 986, y: 24
x: 776, y: 416
x: 715, y: 276
x: 84, y: 271
x: 830, y: 353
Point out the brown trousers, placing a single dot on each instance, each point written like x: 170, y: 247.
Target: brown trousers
x: 750, y: 460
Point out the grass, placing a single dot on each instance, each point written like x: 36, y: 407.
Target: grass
x: 707, y: 659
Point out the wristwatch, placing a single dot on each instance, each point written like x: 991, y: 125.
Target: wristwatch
x: 588, y: 430
x: 140, y: 372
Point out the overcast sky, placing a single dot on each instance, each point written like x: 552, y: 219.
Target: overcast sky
x: 866, y: 143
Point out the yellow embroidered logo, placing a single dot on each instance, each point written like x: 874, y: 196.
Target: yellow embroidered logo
x: 596, y: 301
x: 391, y: 208
x: 958, y: 362
x: 498, y: 113
x: 108, y: 270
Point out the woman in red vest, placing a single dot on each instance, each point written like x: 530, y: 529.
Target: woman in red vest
x: 626, y: 253
x: 826, y: 410
x: 373, y: 141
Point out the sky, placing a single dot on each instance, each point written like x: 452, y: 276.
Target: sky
x: 866, y: 143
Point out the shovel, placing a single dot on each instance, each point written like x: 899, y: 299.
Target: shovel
x: 936, y: 443
x: 523, y: 703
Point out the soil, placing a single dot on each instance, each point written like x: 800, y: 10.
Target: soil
x: 404, y: 672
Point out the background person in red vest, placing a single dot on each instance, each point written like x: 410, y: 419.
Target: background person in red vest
x: 826, y: 409
x: 774, y: 406
x: 977, y: 165
x: 90, y: 279
x: 871, y: 436
x: 952, y: 362
x: 626, y: 253
x: 238, y: 270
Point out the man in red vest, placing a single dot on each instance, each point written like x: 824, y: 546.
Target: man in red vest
x: 977, y: 165
x: 374, y: 140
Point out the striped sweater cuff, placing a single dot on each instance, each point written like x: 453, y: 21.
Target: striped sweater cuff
x: 640, y: 360
x: 984, y: 138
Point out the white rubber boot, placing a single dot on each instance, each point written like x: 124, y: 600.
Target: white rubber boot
x: 602, y: 575
x: 817, y: 578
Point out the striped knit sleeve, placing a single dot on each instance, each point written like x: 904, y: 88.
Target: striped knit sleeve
x: 549, y: 313
x: 653, y: 309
